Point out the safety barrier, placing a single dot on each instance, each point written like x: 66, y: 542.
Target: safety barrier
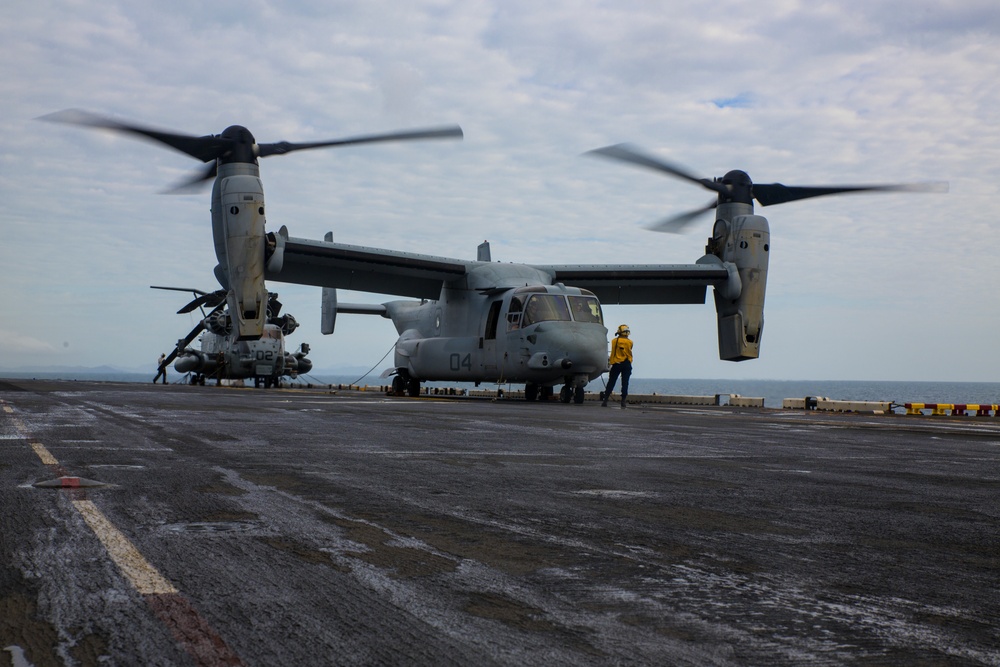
x: 737, y: 401
x: 887, y: 407
x: 678, y: 400
x: 954, y: 409
x: 824, y: 404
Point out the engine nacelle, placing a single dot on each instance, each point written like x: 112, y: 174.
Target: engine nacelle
x: 238, y: 215
x: 219, y: 323
x: 286, y: 323
x: 743, y: 240
x: 297, y: 363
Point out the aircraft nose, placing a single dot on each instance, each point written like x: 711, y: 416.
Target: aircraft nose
x: 582, y: 349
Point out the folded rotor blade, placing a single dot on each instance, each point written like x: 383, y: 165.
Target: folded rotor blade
x: 273, y: 305
x: 179, y: 289
x: 181, y: 344
x: 184, y: 342
x: 776, y: 193
x: 282, y: 147
x: 211, y: 300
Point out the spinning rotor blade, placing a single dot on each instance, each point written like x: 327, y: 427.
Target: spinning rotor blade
x: 195, y: 181
x: 632, y: 155
x: 235, y: 144
x: 736, y: 186
x: 283, y: 147
x: 678, y: 223
x: 205, y: 148
x: 776, y: 193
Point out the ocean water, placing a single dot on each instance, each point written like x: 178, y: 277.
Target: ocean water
x: 772, y: 391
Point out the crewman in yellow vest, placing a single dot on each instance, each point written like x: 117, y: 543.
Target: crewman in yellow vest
x: 621, y: 364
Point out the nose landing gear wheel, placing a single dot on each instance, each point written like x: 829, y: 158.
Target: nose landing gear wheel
x: 530, y: 391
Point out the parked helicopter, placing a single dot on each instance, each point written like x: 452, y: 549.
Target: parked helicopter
x: 224, y: 356
x: 480, y: 321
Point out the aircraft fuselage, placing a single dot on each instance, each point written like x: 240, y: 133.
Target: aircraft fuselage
x: 502, y: 323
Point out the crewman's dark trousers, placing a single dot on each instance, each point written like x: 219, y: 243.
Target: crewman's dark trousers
x: 623, y: 368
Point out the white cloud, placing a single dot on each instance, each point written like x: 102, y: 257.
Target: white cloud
x: 861, y: 287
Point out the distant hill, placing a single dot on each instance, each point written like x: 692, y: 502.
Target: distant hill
x: 72, y: 369
x: 107, y: 373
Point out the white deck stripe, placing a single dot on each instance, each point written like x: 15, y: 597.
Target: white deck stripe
x: 144, y: 577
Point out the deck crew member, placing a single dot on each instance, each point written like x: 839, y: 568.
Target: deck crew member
x: 621, y: 364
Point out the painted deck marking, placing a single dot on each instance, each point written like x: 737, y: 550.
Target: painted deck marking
x: 144, y: 577
x: 192, y: 632
x: 44, y: 454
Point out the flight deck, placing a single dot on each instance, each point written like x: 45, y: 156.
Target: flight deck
x: 149, y: 524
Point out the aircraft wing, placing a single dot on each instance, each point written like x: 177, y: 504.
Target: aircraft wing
x: 349, y: 267
x: 380, y: 271
x: 642, y: 283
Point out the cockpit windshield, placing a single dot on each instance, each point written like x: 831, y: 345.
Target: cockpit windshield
x: 586, y: 309
x: 545, y: 308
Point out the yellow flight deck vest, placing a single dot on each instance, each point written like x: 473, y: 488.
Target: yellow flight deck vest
x: 621, y: 350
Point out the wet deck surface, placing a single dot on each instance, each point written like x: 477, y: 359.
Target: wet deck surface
x: 303, y: 527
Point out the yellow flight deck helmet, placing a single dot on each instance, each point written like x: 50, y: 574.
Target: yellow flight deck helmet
x: 622, y: 329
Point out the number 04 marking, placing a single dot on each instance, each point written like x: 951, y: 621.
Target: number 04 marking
x: 457, y: 362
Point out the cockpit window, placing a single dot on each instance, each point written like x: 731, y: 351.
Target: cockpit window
x: 586, y: 309
x: 544, y: 308
x: 514, y: 314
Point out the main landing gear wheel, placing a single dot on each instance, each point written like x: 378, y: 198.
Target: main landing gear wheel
x: 413, y: 387
x: 398, y: 385
x: 578, y: 394
x: 566, y: 393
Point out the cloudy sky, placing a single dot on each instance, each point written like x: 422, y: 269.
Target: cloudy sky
x: 879, y: 287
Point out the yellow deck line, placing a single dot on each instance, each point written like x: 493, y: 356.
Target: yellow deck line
x: 145, y: 578
x: 44, y: 454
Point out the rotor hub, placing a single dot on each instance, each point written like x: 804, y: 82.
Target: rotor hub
x: 738, y: 188
x: 243, y: 146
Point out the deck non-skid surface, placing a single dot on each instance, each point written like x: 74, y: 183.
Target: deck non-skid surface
x: 307, y: 527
